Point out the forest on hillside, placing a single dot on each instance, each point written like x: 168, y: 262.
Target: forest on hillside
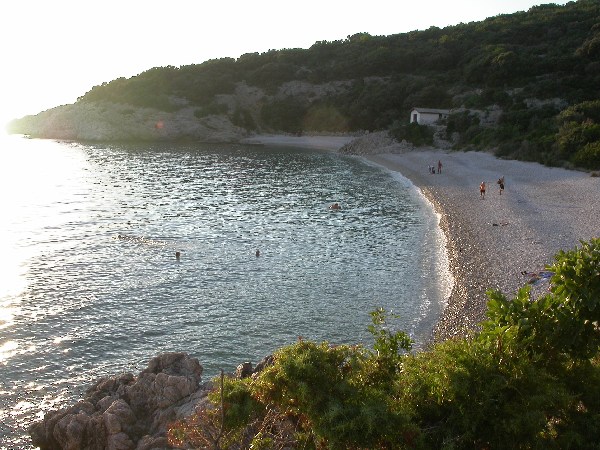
x: 526, y: 85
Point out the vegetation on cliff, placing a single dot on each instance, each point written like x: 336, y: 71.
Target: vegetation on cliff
x: 526, y: 85
x: 530, y: 378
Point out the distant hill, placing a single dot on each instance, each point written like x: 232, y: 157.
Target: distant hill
x: 526, y: 85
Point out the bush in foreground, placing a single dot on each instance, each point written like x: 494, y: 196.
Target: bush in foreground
x: 529, y: 379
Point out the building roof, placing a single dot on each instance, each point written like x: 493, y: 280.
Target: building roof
x: 431, y: 110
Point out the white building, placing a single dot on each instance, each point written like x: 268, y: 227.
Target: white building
x: 427, y: 116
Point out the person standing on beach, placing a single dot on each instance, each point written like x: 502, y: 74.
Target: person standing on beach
x: 482, y: 189
x: 439, y: 166
x: 501, y: 184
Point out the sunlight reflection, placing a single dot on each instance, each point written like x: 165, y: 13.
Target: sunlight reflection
x: 17, y: 194
x: 39, y: 192
x: 7, y: 314
x: 22, y: 406
x: 7, y: 350
x: 12, y: 270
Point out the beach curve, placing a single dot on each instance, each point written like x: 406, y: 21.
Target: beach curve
x: 490, y: 241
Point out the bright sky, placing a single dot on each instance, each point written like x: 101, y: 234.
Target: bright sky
x: 54, y: 51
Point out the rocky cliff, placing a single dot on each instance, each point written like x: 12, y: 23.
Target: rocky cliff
x: 105, y: 121
x: 115, y: 121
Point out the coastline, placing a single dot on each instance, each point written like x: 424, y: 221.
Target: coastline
x: 490, y: 241
x: 332, y: 143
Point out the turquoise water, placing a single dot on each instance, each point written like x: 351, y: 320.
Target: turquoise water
x: 91, y: 285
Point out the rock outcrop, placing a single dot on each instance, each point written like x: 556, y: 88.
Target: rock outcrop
x: 105, y: 121
x: 373, y: 143
x: 127, y: 412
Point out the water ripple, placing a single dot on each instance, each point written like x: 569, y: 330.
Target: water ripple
x: 97, y: 289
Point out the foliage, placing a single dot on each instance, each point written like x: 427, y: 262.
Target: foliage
x: 579, y: 135
x: 529, y: 379
x: 588, y: 156
x: 561, y: 324
x: 321, y: 386
x: 325, y: 118
x: 243, y: 118
x: 461, y: 122
x: 414, y: 133
x: 464, y: 395
x: 213, y: 108
x: 531, y: 64
x: 387, y: 345
x: 286, y: 114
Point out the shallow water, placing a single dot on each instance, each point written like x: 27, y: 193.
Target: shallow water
x: 91, y: 285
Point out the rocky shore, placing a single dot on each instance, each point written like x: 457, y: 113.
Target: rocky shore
x: 127, y: 412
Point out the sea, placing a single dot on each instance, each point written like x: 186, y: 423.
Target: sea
x: 111, y: 254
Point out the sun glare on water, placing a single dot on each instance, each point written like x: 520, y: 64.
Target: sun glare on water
x: 11, y: 260
x: 7, y: 350
x: 32, y: 174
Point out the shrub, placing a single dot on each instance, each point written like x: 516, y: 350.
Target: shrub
x: 286, y: 114
x: 562, y: 323
x: 588, y: 156
x: 325, y: 118
x: 414, y: 133
x: 474, y: 396
x: 461, y: 122
x: 243, y: 118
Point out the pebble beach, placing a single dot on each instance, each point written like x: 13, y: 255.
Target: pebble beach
x: 493, y: 240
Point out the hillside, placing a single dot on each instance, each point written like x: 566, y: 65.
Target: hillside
x: 526, y: 85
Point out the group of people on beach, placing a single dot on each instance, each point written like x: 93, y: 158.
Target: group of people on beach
x: 439, y: 167
x: 482, y: 186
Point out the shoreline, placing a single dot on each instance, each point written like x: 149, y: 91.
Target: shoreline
x: 331, y: 143
x: 490, y: 241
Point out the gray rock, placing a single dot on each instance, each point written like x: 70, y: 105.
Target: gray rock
x: 244, y: 370
x: 375, y: 143
x: 127, y: 412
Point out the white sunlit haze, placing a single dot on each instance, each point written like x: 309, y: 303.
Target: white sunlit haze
x: 54, y: 52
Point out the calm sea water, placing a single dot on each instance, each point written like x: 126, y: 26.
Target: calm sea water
x: 91, y: 286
